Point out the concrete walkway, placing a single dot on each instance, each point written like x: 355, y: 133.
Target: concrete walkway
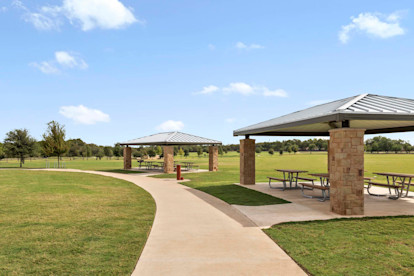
x: 197, y: 234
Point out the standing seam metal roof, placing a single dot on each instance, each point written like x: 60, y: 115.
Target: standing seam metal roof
x: 368, y: 107
x: 172, y: 138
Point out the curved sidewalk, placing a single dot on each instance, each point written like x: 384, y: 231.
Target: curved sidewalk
x: 197, y: 234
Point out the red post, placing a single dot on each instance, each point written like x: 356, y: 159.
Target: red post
x: 178, y: 172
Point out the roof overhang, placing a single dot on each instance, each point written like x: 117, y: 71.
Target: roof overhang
x: 320, y: 126
x: 171, y: 139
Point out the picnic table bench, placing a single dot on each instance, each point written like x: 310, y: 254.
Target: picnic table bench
x: 398, y: 182
x: 288, y: 177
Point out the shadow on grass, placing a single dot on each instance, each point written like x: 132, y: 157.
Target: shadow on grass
x: 237, y: 195
x: 121, y: 171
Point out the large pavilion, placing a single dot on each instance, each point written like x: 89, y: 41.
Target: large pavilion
x: 168, y: 140
x: 345, y: 121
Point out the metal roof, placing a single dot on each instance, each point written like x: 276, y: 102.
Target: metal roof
x: 172, y: 138
x: 375, y: 113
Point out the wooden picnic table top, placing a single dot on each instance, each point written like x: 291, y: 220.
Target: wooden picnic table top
x: 291, y: 171
x: 326, y: 175
x: 395, y: 174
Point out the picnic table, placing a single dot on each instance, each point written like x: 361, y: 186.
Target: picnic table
x: 188, y: 165
x: 395, y: 181
x: 289, y: 176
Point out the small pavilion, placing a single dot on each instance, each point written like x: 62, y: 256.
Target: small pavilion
x: 345, y: 121
x: 168, y: 140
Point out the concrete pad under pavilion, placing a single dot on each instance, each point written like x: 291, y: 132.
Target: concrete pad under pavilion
x: 168, y: 140
x: 345, y: 121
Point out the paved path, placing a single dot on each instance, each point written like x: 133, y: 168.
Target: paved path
x: 197, y: 234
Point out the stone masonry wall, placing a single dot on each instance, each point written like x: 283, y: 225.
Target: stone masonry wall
x: 346, y: 161
x: 247, y: 162
x: 127, y: 158
x: 213, y: 158
x: 168, y: 159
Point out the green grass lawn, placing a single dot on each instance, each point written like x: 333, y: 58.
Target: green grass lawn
x: 220, y: 184
x: 58, y: 223
x: 367, y: 246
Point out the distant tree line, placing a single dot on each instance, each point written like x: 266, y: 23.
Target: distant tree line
x: 19, y: 144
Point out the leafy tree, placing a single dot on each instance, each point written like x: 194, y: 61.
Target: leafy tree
x: 295, y: 148
x: 88, y: 151
x: 281, y: 152
x: 200, y: 151
x: 407, y: 147
x: 117, y: 150
x: 2, y: 155
x: 397, y: 148
x: 108, y: 152
x: 312, y: 147
x: 181, y: 152
x: 100, y: 154
x: 19, y: 143
x: 220, y: 150
x: 258, y: 149
x: 54, y: 140
x: 186, y: 153
x: 151, y: 152
x: 271, y: 151
x: 158, y: 150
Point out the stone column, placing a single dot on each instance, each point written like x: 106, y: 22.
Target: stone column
x: 213, y: 158
x: 329, y: 160
x: 168, y: 159
x: 346, y: 172
x: 247, y: 162
x: 127, y: 158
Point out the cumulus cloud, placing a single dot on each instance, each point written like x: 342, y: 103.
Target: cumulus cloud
x: 46, y: 67
x: 70, y: 60
x: 211, y: 47
x: 241, y: 46
x: 208, y: 90
x: 88, y: 14
x: 84, y: 115
x: 274, y: 93
x: 170, y: 125
x: 244, y: 89
x: 240, y: 88
x: 374, y: 24
x: 61, y: 61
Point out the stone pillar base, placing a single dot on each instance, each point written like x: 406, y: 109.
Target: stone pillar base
x: 213, y: 158
x: 346, y: 172
x: 247, y: 162
x: 168, y: 159
x: 127, y: 158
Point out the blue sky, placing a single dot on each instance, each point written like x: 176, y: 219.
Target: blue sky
x: 113, y: 70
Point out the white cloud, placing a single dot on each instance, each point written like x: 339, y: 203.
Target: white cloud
x: 62, y: 60
x: 208, y: 90
x: 274, y: 93
x: 171, y: 125
x: 88, y: 14
x: 84, y: 115
x: 374, y: 24
x: 242, y: 46
x: 46, y: 67
x: 39, y: 20
x: 243, y: 89
x: 70, y: 60
x: 212, y: 47
x: 3, y: 9
x: 230, y: 120
x: 239, y: 87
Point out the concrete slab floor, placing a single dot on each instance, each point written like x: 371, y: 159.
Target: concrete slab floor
x: 304, y: 209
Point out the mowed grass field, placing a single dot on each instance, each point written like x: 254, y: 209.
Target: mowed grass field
x: 62, y: 223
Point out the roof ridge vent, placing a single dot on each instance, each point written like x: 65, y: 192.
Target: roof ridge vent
x: 171, y: 136
x: 352, y: 102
